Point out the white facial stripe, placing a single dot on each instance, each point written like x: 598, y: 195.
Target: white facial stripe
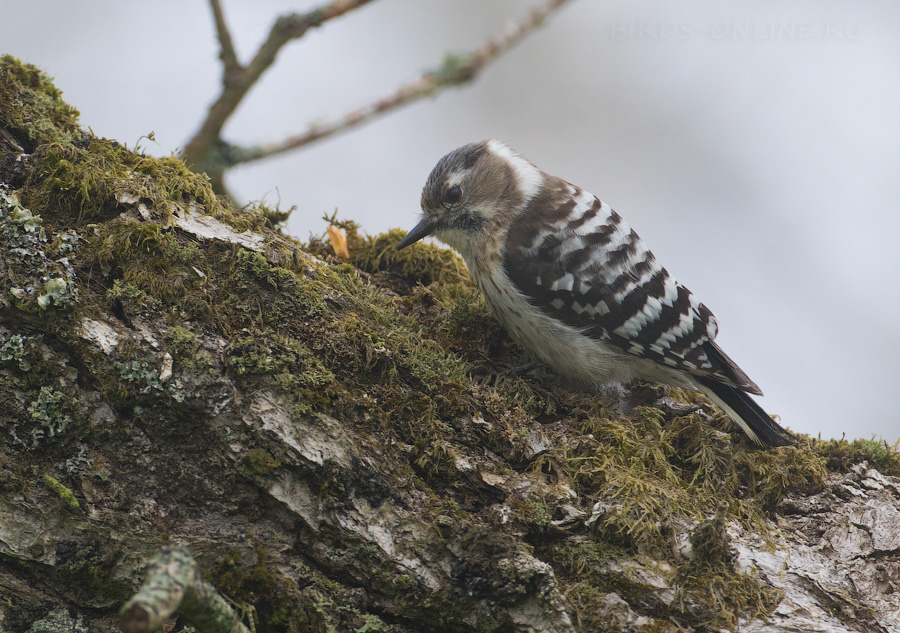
x: 529, y: 177
x: 456, y: 177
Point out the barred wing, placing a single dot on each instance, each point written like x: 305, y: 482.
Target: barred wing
x: 576, y: 258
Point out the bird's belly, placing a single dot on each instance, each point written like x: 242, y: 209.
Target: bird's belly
x: 565, y: 349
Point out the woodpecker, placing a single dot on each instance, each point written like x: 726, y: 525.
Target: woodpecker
x: 572, y: 282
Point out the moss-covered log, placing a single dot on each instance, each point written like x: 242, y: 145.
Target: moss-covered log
x: 347, y: 446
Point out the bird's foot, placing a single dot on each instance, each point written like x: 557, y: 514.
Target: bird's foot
x: 659, y: 397
x: 515, y: 371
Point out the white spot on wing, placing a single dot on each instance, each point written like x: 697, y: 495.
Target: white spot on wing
x: 566, y: 282
x: 671, y: 292
x: 653, y: 307
x: 685, y: 324
x: 666, y: 339
x: 633, y: 326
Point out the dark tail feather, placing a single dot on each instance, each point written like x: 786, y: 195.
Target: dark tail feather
x: 743, y: 409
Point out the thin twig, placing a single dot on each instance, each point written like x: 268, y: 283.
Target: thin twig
x: 455, y: 70
x: 199, y: 150
x: 232, y: 67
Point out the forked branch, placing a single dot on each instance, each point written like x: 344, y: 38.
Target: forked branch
x: 201, y: 150
x: 455, y: 70
x: 208, y: 152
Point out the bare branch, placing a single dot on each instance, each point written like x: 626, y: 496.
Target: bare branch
x: 197, y: 152
x: 232, y: 66
x: 454, y: 71
x: 173, y: 584
x: 292, y: 27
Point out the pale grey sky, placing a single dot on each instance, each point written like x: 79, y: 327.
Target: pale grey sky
x: 755, y: 147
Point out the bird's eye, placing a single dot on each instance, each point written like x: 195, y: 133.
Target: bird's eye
x: 453, y: 195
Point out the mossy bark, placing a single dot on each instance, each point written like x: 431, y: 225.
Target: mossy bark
x: 346, y: 446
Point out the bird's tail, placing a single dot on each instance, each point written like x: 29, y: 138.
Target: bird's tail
x: 748, y: 415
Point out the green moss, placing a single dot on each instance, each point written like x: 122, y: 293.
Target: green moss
x: 649, y: 469
x: 719, y: 597
x: 769, y: 474
x: 578, y: 563
x: 439, y: 269
x: 31, y: 107
x: 841, y: 454
x: 64, y: 493
x: 185, y: 348
x: 265, y: 354
x: 74, y: 177
x: 710, y: 544
x: 181, y: 342
x: 130, y: 299
x: 274, y: 217
x: 590, y: 607
x: 710, y: 590
x: 157, y: 269
x: 97, y: 179
x: 124, y: 239
x: 259, y: 461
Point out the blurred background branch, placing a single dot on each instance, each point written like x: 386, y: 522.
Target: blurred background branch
x: 230, y: 63
x: 208, y: 152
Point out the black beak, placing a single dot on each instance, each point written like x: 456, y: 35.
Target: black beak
x: 423, y: 229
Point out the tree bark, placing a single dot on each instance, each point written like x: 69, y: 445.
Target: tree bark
x: 343, y: 445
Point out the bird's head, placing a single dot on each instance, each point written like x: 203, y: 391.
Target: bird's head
x: 471, y: 190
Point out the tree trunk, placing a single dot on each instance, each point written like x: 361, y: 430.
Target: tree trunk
x: 346, y: 446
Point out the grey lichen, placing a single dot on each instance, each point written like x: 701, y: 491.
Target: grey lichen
x: 12, y: 348
x: 59, y: 621
x: 139, y: 372
x: 37, y: 273
x: 49, y: 415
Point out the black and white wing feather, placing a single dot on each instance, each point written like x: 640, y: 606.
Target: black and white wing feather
x: 577, y: 259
